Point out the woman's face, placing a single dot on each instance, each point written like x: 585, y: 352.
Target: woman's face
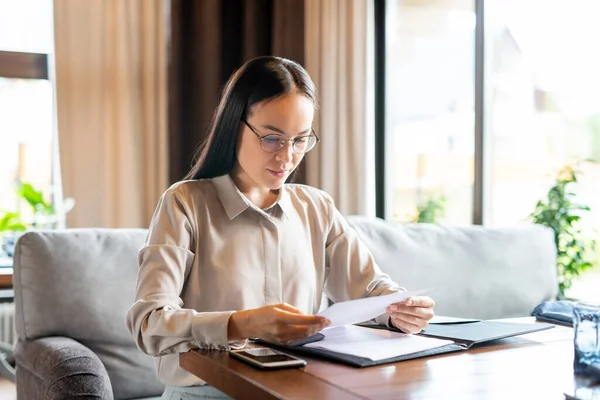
x: 290, y: 116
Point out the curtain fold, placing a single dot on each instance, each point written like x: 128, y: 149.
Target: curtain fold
x: 338, y: 56
x: 210, y: 40
x: 111, y: 77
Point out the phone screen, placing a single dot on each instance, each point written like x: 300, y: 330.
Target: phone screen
x: 266, y: 355
x: 266, y: 358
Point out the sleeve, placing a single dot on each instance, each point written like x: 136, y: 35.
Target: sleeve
x: 157, y: 320
x: 353, y: 273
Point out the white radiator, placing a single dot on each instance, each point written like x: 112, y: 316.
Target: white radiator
x: 7, y: 323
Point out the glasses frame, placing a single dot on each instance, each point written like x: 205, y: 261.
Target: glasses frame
x: 283, y: 140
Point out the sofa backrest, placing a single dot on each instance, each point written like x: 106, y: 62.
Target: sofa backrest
x: 79, y: 283
x: 476, y: 272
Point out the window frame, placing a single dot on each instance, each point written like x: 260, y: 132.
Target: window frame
x: 36, y: 66
x: 23, y: 65
x: 380, y: 16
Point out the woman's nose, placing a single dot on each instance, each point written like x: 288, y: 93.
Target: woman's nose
x: 286, y: 153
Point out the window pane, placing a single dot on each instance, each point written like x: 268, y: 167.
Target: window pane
x: 430, y: 107
x: 543, y: 109
x: 544, y: 102
x: 25, y: 139
x: 26, y: 26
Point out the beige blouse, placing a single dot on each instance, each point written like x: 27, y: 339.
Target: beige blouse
x: 210, y: 252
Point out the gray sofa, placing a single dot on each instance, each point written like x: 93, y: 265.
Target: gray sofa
x: 475, y: 272
x: 72, y: 291
x: 73, y: 288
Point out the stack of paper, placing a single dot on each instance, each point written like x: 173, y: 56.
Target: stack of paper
x: 374, y: 344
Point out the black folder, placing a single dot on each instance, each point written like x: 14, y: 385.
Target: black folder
x: 464, y: 336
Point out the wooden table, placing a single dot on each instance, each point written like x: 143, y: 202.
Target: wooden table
x: 6, y: 271
x: 6, y: 274
x: 533, y: 366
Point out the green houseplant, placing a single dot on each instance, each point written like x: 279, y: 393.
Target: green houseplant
x: 43, y: 211
x: 10, y: 223
x: 431, y: 210
x: 562, y: 214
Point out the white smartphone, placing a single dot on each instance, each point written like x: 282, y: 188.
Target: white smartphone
x: 265, y: 358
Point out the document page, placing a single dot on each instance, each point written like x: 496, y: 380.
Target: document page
x: 438, y: 319
x: 374, y: 344
x: 361, y: 310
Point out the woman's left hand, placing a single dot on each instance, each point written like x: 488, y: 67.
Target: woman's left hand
x: 411, y: 315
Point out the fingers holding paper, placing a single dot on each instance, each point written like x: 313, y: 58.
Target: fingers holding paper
x: 278, y: 323
x: 411, y: 315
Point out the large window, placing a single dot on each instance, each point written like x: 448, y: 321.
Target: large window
x: 485, y: 105
x: 430, y: 107
x: 543, y: 104
x: 26, y: 101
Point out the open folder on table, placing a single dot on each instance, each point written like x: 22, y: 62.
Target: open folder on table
x: 362, y: 346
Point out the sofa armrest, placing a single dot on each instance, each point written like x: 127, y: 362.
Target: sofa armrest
x: 59, y: 368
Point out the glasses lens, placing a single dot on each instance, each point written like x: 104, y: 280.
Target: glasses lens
x: 304, y: 143
x: 271, y: 143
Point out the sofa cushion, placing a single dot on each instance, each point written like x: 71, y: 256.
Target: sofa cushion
x: 476, y: 272
x: 79, y: 283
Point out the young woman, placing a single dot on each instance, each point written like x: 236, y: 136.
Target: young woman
x: 235, y: 252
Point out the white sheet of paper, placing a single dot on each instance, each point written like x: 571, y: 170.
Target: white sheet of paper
x: 374, y: 344
x: 355, y: 311
x: 439, y: 319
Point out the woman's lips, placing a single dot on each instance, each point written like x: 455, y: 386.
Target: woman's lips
x: 278, y: 173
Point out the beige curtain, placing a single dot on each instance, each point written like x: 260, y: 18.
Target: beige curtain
x: 338, y: 37
x: 111, y: 79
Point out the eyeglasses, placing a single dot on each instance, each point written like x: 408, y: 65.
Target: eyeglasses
x: 274, y: 142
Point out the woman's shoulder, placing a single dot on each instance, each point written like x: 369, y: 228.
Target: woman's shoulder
x: 190, y: 190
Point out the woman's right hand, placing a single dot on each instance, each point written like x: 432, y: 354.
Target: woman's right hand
x: 281, y: 323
